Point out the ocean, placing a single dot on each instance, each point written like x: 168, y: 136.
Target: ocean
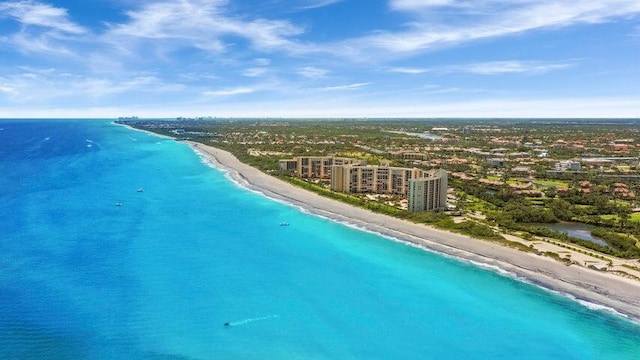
x: 116, y: 244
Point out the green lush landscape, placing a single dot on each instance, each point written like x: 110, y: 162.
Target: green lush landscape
x: 507, y: 176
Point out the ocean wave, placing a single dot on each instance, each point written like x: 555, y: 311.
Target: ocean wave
x: 594, y: 306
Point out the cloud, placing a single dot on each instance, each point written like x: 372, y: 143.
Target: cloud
x: 262, y: 61
x: 483, y: 19
x: 32, y: 13
x: 490, y: 68
x: 506, y: 67
x: 39, y: 87
x: 403, y: 70
x: 411, y: 5
x: 312, y: 72
x: 255, y: 72
x: 44, y: 28
x: 230, y: 92
x: 43, y: 43
x: 7, y: 89
x: 314, y: 4
x: 202, y: 24
x: 346, y: 87
x: 436, y: 89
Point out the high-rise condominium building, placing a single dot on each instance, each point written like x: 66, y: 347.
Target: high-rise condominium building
x: 429, y: 192
x: 376, y: 179
x: 316, y: 167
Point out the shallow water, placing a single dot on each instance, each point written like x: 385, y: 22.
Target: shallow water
x: 156, y: 278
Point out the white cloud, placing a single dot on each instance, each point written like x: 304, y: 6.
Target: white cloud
x: 203, y: 24
x: 312, y: 72
x: 262, y: 61
x: 506, y: 67
x: 33, y: 13
x: 403, y: 70
x: 28, y: 43
x: 490, y: 68
x: 412, y: 5
x: 229, y: 92
x: 38, y: 87
x: 346, y: 87
x: 436, y: 89
x: 314, y: 4
x: 7, y: 89
x: 485, y: 19
x: 44, y: 28
x: 255, y: 72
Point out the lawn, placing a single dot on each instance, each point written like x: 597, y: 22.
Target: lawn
x: 556, y: 183
x: 633, y: 217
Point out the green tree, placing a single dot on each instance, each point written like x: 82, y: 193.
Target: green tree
x: 624, y: 213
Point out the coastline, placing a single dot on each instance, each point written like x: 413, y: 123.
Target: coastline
x: 142, y: 130
x: 597, y: 289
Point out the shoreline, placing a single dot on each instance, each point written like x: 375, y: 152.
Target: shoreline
x: 114, y: 122
x: 599, y: 290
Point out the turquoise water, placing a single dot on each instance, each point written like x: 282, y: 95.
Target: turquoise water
x: 157, y: 277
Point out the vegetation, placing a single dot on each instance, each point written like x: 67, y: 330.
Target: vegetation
x: 436, y: 219
x: 625, y: 245
x: 526, y: 189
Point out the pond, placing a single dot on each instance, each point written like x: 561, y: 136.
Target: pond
x: 579, y: 230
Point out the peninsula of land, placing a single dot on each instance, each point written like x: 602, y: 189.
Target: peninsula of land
x: 593, y: 286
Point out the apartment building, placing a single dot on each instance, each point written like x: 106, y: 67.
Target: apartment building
x: 568, y: 165
x: 316, y: 167
x: 377, y: 179
x: 429, y: 192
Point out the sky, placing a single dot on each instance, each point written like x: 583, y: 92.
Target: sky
x: 320, y: 58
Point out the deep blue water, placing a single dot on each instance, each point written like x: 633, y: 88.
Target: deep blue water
x: 155, y: 278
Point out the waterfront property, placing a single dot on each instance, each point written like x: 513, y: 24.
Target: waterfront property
x: 376, y: 179
x: 429, y: 192
x: 316, y: 167
x: 425, y: 190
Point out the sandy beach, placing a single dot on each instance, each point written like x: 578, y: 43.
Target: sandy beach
x: 598, y: 288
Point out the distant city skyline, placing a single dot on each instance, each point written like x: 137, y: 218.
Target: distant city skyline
x: 320, y: 58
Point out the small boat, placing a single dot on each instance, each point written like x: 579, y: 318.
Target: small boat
x: 141, y: 190
x: 284, y: 224
x: 118, y: 204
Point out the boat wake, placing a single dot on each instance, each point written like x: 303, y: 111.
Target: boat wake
x: 91, y: 143
x: 246, y: 321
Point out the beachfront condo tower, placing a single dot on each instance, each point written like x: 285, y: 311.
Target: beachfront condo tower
x: 428, y: 193
x: 373, y: 179
x: 316, y: 167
